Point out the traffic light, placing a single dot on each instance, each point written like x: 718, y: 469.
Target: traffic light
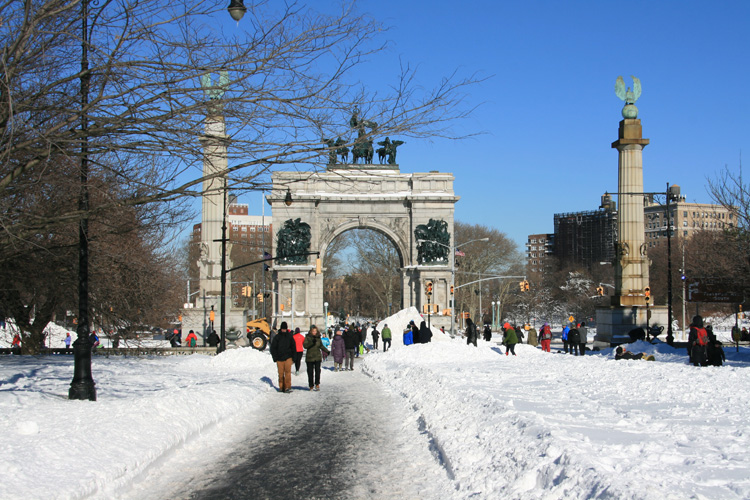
x: 259, y: 297
x: 451, y: 289
x: 428, y: 288
x: 211, y: 316
x: 247, y: 291
x: 525, y: 286
x: 647, y: 292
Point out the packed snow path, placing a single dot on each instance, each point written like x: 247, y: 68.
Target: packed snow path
x: 351, y: 439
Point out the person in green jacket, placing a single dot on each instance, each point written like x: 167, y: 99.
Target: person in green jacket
x: 386, y: 334
x: 509, y: 339
x: 314, y: 345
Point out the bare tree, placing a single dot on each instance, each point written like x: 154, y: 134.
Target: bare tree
x: 284, y: 80
x: 496, y: 257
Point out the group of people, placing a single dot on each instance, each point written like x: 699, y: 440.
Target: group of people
x: 284, y: 353
x: 414, y: 334
x: 703, y: 348
x: 344, y: 343
x: 574, y: 339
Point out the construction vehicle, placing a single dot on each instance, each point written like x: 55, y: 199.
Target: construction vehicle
x: 259, y: 333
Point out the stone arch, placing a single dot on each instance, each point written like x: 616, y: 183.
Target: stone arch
x: 351, y: 197
x: 401, y: 248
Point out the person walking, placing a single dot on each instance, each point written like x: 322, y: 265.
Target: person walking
x: 313, y: 357
x: 326, y: 346
x: 375, y: 335
x: 338, y: 348
x: 282, y: 352
x: 584, y: 335
x: 351, y: 341
x: 425, y: 335
x: 509, y: 339
x: 299, y: 339
x: 386, y: 337
x: 68, y: 340
x: 546, y: 337
x: 471, y: 332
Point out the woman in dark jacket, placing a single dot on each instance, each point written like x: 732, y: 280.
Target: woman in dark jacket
x: 415, y: 333
x: 314, y: 345
x: 425, y: 335
x: 282, y: 352
x: 338, y: 347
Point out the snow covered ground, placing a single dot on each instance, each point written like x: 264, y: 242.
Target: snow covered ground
x: 537, y: 425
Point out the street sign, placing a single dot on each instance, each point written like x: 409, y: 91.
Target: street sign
x: 571, y: 319
x: 713, y: 290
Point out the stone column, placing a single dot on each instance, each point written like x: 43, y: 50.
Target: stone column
x: 215, y: 160
x: 631, y: 261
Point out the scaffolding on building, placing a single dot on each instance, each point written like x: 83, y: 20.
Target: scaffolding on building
x: 586, y: 238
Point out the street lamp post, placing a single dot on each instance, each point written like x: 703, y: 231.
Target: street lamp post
x: 493, y: 314
x: 325, y: 315
x: 673, y: 193
x: 83, y: 386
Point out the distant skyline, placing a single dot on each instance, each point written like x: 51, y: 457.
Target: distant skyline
x: 548, y: 112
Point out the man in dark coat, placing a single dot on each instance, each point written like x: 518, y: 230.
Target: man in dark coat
x: 471, y: 332
x: 351, y: 341
x: 282, y: 352
x: 213, y: 339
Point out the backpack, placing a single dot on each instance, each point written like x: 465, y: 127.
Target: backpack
x: 546, y: 333
x: 702, y: 336
x: 192, y: 342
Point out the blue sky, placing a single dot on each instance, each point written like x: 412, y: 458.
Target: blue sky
x: 548, y: 110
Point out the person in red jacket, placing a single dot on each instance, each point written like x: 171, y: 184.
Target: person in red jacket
x: 299, y: 339
x: 192, y: 339
x: 545, y: 336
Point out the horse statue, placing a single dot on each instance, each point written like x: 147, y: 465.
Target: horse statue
x: 341, y: 150
x: 362, y: 149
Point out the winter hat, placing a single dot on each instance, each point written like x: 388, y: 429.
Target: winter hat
x: 296, y: 330
x: 697, y: 321
x: 283, y: 325
x: 618, y: 350
x: 506, y: 326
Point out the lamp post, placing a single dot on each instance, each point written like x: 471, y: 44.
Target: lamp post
x: 325, y: 315
x: 493, y: 314
x: 82, y: 386
x: 673, y: 193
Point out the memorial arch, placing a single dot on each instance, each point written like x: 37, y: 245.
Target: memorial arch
x: 320, y: 206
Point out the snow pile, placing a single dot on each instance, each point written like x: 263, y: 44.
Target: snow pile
x: 552, y: 425
x: 399, y: 321
x: 147, y: 408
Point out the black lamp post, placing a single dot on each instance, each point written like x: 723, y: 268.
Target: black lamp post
x: 673, y: 193
x: 82, y: 386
